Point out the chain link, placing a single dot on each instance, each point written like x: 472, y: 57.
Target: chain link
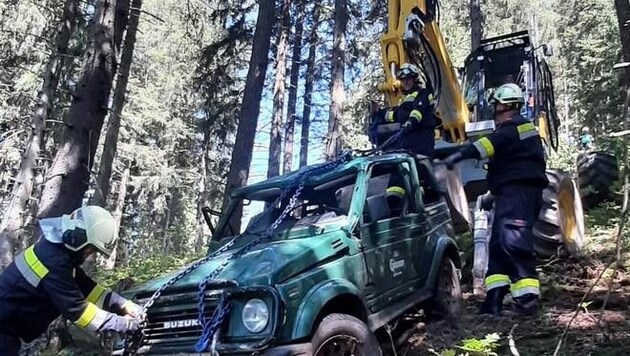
x: 132, y: 343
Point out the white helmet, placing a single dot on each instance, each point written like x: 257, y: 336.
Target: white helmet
x: 408, y: 70
x: 508, y: 94
x: 89, y: 225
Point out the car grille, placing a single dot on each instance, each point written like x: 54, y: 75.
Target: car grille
x: 175, y: 322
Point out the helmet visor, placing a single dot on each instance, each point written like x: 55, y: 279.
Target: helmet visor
x: 406, y: 73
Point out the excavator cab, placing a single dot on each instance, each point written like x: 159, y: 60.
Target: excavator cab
x: 512, y: 58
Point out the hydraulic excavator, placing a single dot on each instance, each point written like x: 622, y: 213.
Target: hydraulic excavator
x: 414, y: 36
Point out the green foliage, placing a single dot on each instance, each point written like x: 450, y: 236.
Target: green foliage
x: 474, y: 347
x: 563, y: 158
x: 144, y: 268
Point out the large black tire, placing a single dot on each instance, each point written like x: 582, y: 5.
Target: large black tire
x: 341, y: 334
x: 597, y: 172
x: 561, y: 219
x: 447, y: 302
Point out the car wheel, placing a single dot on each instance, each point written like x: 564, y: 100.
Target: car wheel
x: 341, y: 335
x: 447, y: 302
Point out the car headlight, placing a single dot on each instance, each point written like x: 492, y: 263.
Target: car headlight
x: 255, y: 315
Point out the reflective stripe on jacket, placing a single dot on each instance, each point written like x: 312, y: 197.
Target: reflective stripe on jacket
x: 43, y: 283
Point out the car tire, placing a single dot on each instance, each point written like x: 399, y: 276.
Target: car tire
x: 338, y: 334
x: 447, y: 302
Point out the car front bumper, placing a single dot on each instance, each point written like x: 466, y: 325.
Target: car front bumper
x: 303, y: 349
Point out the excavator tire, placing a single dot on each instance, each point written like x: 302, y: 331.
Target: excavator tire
x: 561, y: 219
x: 597, y: 172
x: 449, y: 183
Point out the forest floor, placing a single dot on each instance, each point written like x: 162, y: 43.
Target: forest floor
x: 601, y: 325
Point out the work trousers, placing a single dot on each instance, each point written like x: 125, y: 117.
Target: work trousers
x: 9, y: 345
x: 511, y: 259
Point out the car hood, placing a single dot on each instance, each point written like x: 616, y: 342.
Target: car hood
x: 266, y: 264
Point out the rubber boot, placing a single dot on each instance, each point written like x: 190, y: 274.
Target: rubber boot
x: 494, y: 301
x: 527, y: 305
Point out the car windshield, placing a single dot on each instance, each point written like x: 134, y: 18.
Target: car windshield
x: 319, y: 203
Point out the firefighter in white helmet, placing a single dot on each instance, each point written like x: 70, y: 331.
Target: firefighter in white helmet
x: 46, y: 280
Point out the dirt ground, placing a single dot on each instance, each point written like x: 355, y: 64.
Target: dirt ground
x: 600, y: 327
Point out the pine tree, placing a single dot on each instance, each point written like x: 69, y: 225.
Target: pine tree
x: 248, y: 118
x: 15, y: 214
x: 275, y: 139
x: 337, y: 91
x: 296, y: 62
x: 70, y: 174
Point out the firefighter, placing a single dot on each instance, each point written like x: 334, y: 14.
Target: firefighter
x: 516, y: 178
x: 46, y: 280
x: 414, y: 112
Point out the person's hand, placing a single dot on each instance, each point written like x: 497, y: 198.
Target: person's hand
x: 133, y: 310
x: 122, y: 324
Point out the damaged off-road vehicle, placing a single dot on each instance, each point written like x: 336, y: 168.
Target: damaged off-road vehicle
x: 344, y: 263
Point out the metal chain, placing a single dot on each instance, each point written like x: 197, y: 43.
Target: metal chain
x: 132, y: 343
x: 392, y: 140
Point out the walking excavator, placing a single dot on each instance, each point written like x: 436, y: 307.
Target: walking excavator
x: 463, y: 113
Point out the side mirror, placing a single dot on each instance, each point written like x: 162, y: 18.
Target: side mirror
x: 548, y: 50
x: 207, y: 216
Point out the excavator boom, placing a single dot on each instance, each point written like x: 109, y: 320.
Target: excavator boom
x: 414, y: 36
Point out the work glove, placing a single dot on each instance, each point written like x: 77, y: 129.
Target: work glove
x: 133, y: 310
x: 121, y: 324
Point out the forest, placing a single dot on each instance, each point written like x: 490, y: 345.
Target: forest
x: 157, y: 109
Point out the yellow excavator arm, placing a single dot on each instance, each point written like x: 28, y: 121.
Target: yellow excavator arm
x: 414, y: 36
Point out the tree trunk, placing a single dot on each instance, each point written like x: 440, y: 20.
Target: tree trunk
x: 275, y: 139
x: 201, y: 242
x: 248, y: 117
x: 14, y: 216
x: 113, y: 125
x: 116, y: 255
x: 308, y: 89
x: 476, y: 24
x: 296, y: 62
x: 622, y: 7
x: 69, y: 176
x: 337, y: 91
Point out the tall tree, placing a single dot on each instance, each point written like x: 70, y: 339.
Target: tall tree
x: 113, y: 125
x: 118, y: 255
x: 308, y: 88
x: 476, y: 24
x: 275, y: 139
x: 622, y: 8
x: 70, y: 173
x: 296, y: 62
x: 337, y: 91
x: 15, y: 214
x: 248, y: 116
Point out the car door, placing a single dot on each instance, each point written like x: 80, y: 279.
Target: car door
x: 387, y: 239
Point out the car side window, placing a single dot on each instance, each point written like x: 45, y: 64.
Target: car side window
x: 389, y: 193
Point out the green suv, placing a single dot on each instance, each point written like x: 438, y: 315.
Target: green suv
x: 345, y: 262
